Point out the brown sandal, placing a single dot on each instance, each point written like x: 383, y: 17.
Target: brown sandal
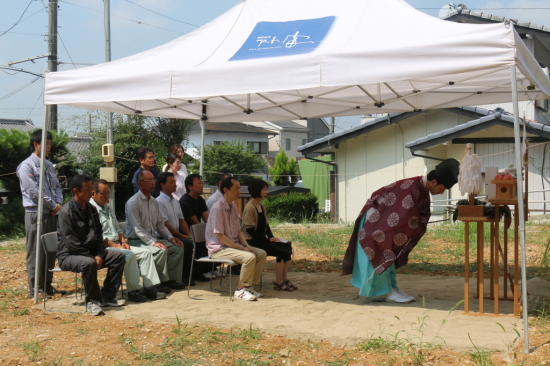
x: 291, y: 285
x: 282, y: 287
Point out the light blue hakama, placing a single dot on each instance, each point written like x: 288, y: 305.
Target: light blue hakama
x: 370, y: 283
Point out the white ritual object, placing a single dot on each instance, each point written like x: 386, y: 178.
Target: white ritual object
x: 327, y: 205
x: 469, y: 178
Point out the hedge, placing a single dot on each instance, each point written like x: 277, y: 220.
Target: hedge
x: 293, y: 207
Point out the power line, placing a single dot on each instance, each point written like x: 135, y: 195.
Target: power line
x: 18, y: 20
x: 65, y: 47
x: 18, y: 89
x: 118, y: 16
x: 34, y: 105
x: 162, y: 15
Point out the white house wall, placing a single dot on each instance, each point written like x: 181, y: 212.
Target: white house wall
x: 370, y: 161
x: 278, y: 143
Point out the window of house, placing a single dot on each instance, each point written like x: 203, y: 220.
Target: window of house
x: 287, y: 144
x: 258, y: 147
x: 217, y: 142
x: 304, y: 141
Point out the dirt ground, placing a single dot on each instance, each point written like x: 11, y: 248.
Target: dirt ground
x: 324, y: 322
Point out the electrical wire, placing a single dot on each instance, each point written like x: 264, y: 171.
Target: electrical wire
x: 2, y: 98
x: 34, y: 105
x: 118, y: 16
x: 66, y: 50
x: 162, y: 15
x: 18, y: 20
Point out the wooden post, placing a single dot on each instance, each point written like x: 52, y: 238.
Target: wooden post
x: 466, y: 266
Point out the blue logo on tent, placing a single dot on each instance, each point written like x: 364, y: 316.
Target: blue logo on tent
x: 274, y: 39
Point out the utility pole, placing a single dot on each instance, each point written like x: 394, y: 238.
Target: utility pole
x: 107, y: 21
x: 107, y: 26
x: 51, y: 110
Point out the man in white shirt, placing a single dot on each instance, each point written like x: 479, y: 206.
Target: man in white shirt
x: 218, y: 194
x: 139, y: 262
x: 143, y: 221
x: 173, y: 220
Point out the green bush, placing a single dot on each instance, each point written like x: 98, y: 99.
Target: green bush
x: 293, y: 207
x: 12, y: 218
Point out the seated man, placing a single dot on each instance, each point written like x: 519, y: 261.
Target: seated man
x: 143, y: 221
x: 218, y: 194
x: 173, y: 220
x: 81, y: 248
x: 114, y: 239
x: 224, y: 239
x: 192, y: 204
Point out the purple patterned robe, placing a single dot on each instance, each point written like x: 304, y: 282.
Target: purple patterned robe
x: 394, y: 227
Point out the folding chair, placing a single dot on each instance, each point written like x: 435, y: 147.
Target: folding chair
x: 49, y: 244
x: 197, y: 232
x: 122, y: 226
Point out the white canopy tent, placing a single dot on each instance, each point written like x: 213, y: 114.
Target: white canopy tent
x: 298, y: 59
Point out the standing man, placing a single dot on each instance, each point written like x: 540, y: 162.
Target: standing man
x: 218, y: 194
x: 192, y: 204
x: 80, y: 248
x: 391, y: 223
x: 225, y: 240
x: 139, y: 262
x: 173, y: 220
x: 146, y: 159
x: 143, y: 221
x: 28, y: 173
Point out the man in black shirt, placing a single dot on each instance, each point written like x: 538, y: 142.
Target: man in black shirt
x: 193, y: 206
x: 81, y: 249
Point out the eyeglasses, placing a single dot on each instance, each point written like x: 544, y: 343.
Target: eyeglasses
x: 150, y: 158
x: 148, y: 180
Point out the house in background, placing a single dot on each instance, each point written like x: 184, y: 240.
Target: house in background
x: 289, y: 135
x: 256, y: 138
x: 400, y: 145
x: 17, y: 124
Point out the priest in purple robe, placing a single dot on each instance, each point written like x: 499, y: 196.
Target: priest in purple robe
x: 391, y: 223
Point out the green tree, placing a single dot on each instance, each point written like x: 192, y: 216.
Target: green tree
x: 129, y: 134
x: 232, y: 157
x: 284, y: 171
x: 15, y: 147
x: 170, y: 131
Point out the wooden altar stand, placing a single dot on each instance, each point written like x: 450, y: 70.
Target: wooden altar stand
x: 498, y: 254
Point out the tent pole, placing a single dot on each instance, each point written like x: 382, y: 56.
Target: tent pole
x: 202, y: 146
x: 203, y: 130
x: 517, y: 147
x: 40, y: 208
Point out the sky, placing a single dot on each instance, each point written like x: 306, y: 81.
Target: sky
x: 136, y: 26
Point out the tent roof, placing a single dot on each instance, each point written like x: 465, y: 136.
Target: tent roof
x: 288, y: 59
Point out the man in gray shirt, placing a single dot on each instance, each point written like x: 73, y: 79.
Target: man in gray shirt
x: 143, y: 221
x: 28, y: 173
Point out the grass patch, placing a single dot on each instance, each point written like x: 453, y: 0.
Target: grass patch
x: 33, y: 350
x: 13, y: 248
x: 21, y: 312
x: 326, y: 240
